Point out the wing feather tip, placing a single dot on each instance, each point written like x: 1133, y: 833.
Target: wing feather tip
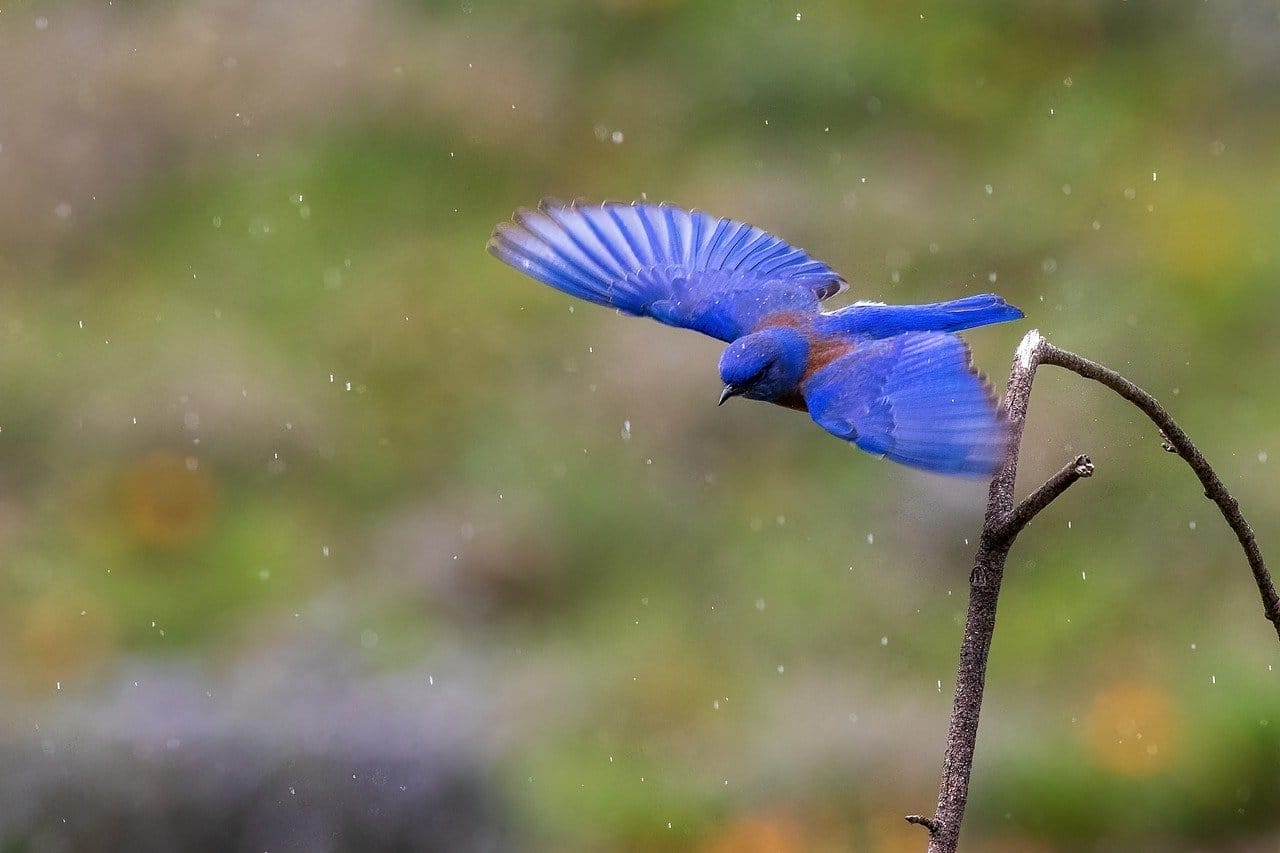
x: 549, y: 202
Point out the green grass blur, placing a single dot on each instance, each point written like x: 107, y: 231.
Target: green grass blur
x: 263, y: 387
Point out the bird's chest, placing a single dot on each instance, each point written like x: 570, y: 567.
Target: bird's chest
x: 822, y: 353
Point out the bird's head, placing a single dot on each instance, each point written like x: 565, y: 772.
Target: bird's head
x: 765, y: 365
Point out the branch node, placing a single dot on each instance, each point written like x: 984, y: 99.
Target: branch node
x: 1165, y: 444
x: 927, y: 822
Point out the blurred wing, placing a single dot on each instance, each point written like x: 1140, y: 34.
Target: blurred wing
x: 683, y: 268
x: 914, y: 398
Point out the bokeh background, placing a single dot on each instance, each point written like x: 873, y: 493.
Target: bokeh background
x: 321, y: 529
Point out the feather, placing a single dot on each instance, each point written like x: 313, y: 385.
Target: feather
x: 683, y: 268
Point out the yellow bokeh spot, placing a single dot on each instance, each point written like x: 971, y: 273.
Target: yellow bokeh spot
x: 1202, y: 237
x: 61, y: 636
x: 167, y: 500
x: 1132, y: 729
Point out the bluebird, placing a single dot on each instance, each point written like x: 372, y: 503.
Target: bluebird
x: 895, y: 380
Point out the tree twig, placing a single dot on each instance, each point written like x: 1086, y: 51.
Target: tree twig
x: 1034, y: 503
x: 926, y: 822
x: 1003, y: 523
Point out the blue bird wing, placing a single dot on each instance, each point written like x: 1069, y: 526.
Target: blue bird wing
x: 913, y: 398
x: 683, y: 268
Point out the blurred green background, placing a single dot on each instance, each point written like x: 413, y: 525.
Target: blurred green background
x: 323, y: 529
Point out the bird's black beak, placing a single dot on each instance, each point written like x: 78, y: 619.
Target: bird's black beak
x: 729, y: 391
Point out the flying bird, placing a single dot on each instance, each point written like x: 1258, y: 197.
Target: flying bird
x: 895, y: 380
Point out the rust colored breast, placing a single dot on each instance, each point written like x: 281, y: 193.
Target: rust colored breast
x: 823, y: 351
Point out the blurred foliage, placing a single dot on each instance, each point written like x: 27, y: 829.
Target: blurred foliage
x: 264, y: 393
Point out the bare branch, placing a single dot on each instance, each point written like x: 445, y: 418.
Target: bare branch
x: 1001, y: 527
x: 1177, y: 441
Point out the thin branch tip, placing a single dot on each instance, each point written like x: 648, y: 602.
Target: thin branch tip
x: 927, y: 822
x: 1004, y: 532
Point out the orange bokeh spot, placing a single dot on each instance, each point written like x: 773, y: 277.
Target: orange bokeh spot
x: 167, y: 500
x: 759, y: 834
x: 1132, y: 729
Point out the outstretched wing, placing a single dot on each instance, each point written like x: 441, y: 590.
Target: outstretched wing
x: 914, y: 398
x: 683, y: 268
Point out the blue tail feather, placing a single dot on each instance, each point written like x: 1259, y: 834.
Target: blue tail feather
x: 871, y: 320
